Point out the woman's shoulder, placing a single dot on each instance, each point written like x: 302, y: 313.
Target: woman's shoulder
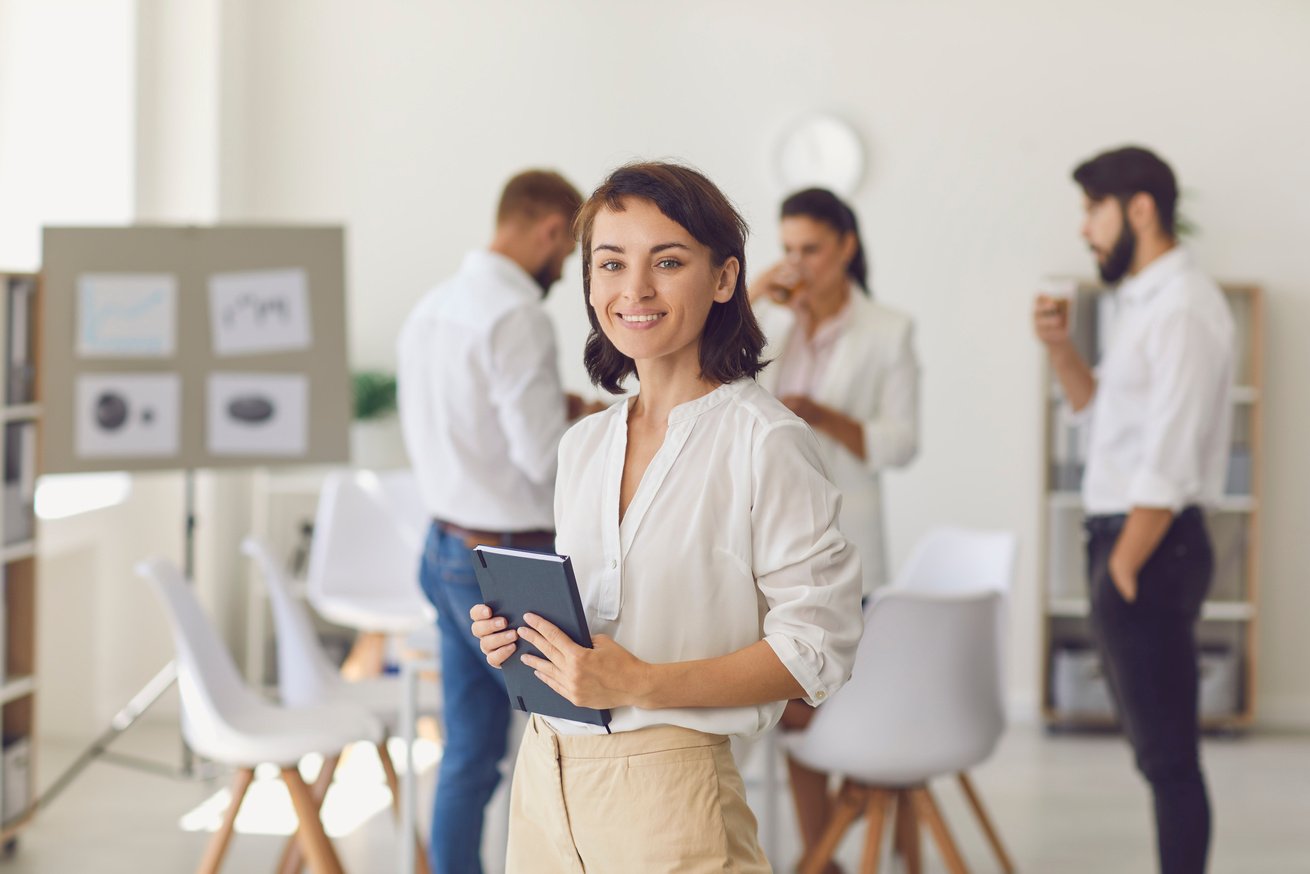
x: 754, y: 405
x: 586, y: 433
x: 882, y: 317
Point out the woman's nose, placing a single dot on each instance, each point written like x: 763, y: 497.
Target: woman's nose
x: 638, y: 285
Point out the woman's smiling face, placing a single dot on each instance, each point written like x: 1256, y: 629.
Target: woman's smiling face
x: 653, y: 283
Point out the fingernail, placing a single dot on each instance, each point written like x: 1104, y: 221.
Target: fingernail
x: 500, y: 623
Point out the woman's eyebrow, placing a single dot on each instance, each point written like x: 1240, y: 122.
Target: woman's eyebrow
x: 654, y: 250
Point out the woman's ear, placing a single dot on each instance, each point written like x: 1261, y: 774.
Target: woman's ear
x: 727, y: 280
x: 849, y: 243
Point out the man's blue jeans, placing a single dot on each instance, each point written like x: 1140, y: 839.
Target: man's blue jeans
x: 475, y: 706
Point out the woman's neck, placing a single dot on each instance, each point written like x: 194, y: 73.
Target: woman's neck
x: 667, y: 384
x: 824, y: 307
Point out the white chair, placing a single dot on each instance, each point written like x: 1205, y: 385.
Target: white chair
x: 959, y: 560
x: 919, y: 705
x: 223, y: 720
x: 953, y: 559
x: 306, y: 677
x: 369, y: 532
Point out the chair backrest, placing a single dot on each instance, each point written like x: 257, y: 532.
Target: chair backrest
x: 922, y: 697
x: 368, y: 538
x: 305, y: 674
x: 952, y: 559
x: 213, y: 694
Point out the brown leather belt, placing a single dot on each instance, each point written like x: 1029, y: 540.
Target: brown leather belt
x: 538, y: 539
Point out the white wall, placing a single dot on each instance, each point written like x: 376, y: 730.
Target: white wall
x: 403, y: 120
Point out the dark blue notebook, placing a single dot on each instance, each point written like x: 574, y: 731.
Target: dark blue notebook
x: 514, y: 582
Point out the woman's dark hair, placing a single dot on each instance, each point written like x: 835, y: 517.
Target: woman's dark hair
x: 732, y: 341
x: 1121, y: 173
x: 822, y: 205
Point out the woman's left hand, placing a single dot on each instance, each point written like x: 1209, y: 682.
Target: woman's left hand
x: 604, y: 677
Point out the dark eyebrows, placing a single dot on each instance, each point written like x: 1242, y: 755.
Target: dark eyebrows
x: 654, y: 250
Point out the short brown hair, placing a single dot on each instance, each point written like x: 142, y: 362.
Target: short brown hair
x: 534, y: 193
x: 732, y: 341
x: 1121, y: 173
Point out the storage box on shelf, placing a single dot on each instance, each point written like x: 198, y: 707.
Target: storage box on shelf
x: 1073, y: 690
x: 20, y: 416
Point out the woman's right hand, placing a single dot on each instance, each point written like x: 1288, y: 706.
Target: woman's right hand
x: 780, y: 282
x: 497, y: 641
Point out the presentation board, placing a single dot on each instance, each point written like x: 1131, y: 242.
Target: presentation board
x: 167, y: 348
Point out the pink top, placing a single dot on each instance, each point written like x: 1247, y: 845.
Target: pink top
x: 804, y: 363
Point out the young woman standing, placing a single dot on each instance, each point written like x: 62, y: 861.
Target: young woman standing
x: 703, y: 531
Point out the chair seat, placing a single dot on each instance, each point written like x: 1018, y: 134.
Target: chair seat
x: 381, y: 697
x: 258, y: 733
x: 387, y: 615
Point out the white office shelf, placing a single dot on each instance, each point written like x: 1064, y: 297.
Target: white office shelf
x: 18, y: 551
x: 17, y: 688
x: 1218, y: 611
x: 1229, y: 504
x: 20, y: 412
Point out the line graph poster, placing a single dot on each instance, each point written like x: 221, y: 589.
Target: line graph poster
x: 257, y: 312
x: 126, y: 315
x: 173, y: 347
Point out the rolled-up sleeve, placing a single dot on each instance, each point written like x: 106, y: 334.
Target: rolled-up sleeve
x: 805, y: 568
x: 891, y: 439
x: 1190, y: 371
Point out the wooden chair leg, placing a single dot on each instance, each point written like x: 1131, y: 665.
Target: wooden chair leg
x: 421, y: 856
x: 851, y: 801
x: 213, y: 858
x: 313, y: 840
x: 993, y: 837
x: 292, y: 858
x: 879, y: 801
x: 907, y: 833
x: 926, y: 809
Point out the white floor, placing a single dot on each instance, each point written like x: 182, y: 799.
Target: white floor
x: 1064, y: 804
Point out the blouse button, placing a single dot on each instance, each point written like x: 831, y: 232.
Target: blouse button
x: 820, y: 695
x: 613, y: 563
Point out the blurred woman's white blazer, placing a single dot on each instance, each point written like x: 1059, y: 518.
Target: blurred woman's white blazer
x: 872, y: 376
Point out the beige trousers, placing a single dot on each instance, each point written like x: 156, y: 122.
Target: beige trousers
x: 658, y: 800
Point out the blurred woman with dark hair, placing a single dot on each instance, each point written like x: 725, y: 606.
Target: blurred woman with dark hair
x: 846, y: 365
x: 703, y: 532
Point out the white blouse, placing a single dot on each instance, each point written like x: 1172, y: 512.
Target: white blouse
x: 730, y: 538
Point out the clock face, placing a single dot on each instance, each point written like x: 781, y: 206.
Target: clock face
x: 821, y: 151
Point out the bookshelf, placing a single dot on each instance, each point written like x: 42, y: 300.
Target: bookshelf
x: 1073, y: 692
x: 20, y: 417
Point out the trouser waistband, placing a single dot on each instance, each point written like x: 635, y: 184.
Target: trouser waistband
x: 657, y: 738
x: 535, y: 539
x: 1113, y: 523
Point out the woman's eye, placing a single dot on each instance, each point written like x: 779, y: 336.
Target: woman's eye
x: 610, y: 266
x: 668, y: 263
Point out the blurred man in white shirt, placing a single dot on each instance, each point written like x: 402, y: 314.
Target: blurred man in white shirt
x: 483, y: 411
x: 1161, y: 415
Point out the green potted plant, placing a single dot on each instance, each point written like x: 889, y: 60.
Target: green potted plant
x: 375, y: 439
